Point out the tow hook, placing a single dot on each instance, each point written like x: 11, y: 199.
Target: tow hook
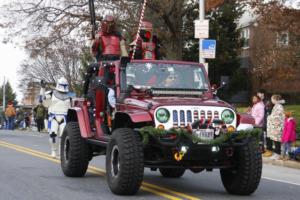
x: 229, y: 151
x: 178, y: 155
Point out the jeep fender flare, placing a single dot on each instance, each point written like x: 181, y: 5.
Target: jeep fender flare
x: 77, y: 114
x: 136, y: 118
x: 246, y: 122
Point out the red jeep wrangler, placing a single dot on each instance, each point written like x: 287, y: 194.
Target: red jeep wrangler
x: 166, y: 118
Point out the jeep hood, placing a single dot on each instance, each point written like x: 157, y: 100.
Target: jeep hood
x: 155, y: 102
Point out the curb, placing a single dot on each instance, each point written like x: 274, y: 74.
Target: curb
x: 286, y: 163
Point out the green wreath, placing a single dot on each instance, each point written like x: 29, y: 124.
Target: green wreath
x: 149, y: 131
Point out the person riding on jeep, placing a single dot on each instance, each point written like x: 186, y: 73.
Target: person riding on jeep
x: 108, y: 44
x: 147, y: 44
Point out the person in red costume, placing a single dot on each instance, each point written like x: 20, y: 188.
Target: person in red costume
x: 147, y: 45
x: 108, y: 44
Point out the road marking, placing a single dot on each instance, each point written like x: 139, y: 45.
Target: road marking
x: 282, y: 181
x: 170, y: 191
x: 158, y: 193
x: 155, y: 189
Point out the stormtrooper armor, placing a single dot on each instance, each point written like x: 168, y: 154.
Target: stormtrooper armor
x: 58, y: 102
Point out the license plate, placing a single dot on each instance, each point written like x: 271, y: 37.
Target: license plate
x: 205, y: 134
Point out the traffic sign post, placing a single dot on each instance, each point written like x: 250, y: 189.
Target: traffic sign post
x: 208, y: 49
x: 201, y: 29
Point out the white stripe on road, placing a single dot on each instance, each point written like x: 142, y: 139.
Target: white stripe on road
x: 282, y: 181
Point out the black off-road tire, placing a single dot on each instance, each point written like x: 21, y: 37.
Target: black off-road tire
x: 172, y: 172
x: 74, y: 151
x: 244, y: 178
x: 125, y: 162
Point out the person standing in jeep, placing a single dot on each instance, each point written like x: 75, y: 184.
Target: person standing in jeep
x: 10, y: 114
x: 108, y: 44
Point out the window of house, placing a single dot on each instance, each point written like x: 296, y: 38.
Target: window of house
x: 282, y: 39
x: 245, y: 35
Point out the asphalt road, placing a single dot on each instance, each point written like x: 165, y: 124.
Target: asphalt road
x: 28, y: 172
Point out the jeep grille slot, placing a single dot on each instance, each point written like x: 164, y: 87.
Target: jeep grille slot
x: 209, y: 114
x: 175, y: 118
x: 189, y: 116
x: 216, y: 115
x: 182, y: 118
x: 202, y: 114
x: 196, y: 115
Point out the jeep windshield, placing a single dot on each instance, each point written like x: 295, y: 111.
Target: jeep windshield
x: 164, y: 76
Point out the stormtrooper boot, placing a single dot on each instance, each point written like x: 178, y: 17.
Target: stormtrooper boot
x: 53, y: 150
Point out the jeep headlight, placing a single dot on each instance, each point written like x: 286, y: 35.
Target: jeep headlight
x: 227, y: 116
x: 162, y: 115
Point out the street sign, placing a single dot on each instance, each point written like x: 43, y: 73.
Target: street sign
x: 201, y: 29
x: 208, y: 49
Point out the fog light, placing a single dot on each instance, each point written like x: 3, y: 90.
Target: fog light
x: 215, y: 149
x: 161, y: 127
x: 184, y: 149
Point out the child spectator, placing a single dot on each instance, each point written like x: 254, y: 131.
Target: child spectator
x: 289, y: 134
x: 257, y: 111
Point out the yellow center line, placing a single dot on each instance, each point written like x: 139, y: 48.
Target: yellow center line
x: 155, y: 189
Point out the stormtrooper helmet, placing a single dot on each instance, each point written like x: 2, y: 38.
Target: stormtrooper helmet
x: 62, y: 85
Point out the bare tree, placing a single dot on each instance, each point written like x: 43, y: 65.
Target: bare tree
x: 52, y: 63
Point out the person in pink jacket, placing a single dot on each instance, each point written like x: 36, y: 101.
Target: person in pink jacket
x: 288, y: 134
x: 257, y: 111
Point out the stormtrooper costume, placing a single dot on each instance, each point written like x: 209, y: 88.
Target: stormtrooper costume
x: 58, y: 103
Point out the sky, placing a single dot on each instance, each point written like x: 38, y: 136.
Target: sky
x: 10, y: 60
x: 11, y: 57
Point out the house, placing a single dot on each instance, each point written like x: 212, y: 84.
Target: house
x: 270, y: 54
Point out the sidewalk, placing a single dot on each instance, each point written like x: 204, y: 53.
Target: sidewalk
x: 286, y: 163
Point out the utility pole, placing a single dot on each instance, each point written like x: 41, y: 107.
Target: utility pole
x: 201, y: 18
x: 3, y: 102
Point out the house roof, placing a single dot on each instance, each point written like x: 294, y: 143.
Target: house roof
x: 247, y: 18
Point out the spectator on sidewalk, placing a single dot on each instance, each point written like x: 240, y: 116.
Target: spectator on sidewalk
x: 10, y: 114
x: 262, y: 95
x: 275, y: 122
x: 39, y: 113
x: 288, y: 135
x: 2, y: 120
x: 27, y: 120
x: 257, y: 111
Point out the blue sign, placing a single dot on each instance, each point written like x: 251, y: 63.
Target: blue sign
x: 208, y: 49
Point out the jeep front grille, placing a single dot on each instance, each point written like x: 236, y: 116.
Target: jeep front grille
x: 184, y: 117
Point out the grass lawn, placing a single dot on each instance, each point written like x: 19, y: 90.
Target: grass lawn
x: 295, y: 109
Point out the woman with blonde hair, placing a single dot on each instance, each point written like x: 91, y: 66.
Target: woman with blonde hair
x: 275, y: 122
